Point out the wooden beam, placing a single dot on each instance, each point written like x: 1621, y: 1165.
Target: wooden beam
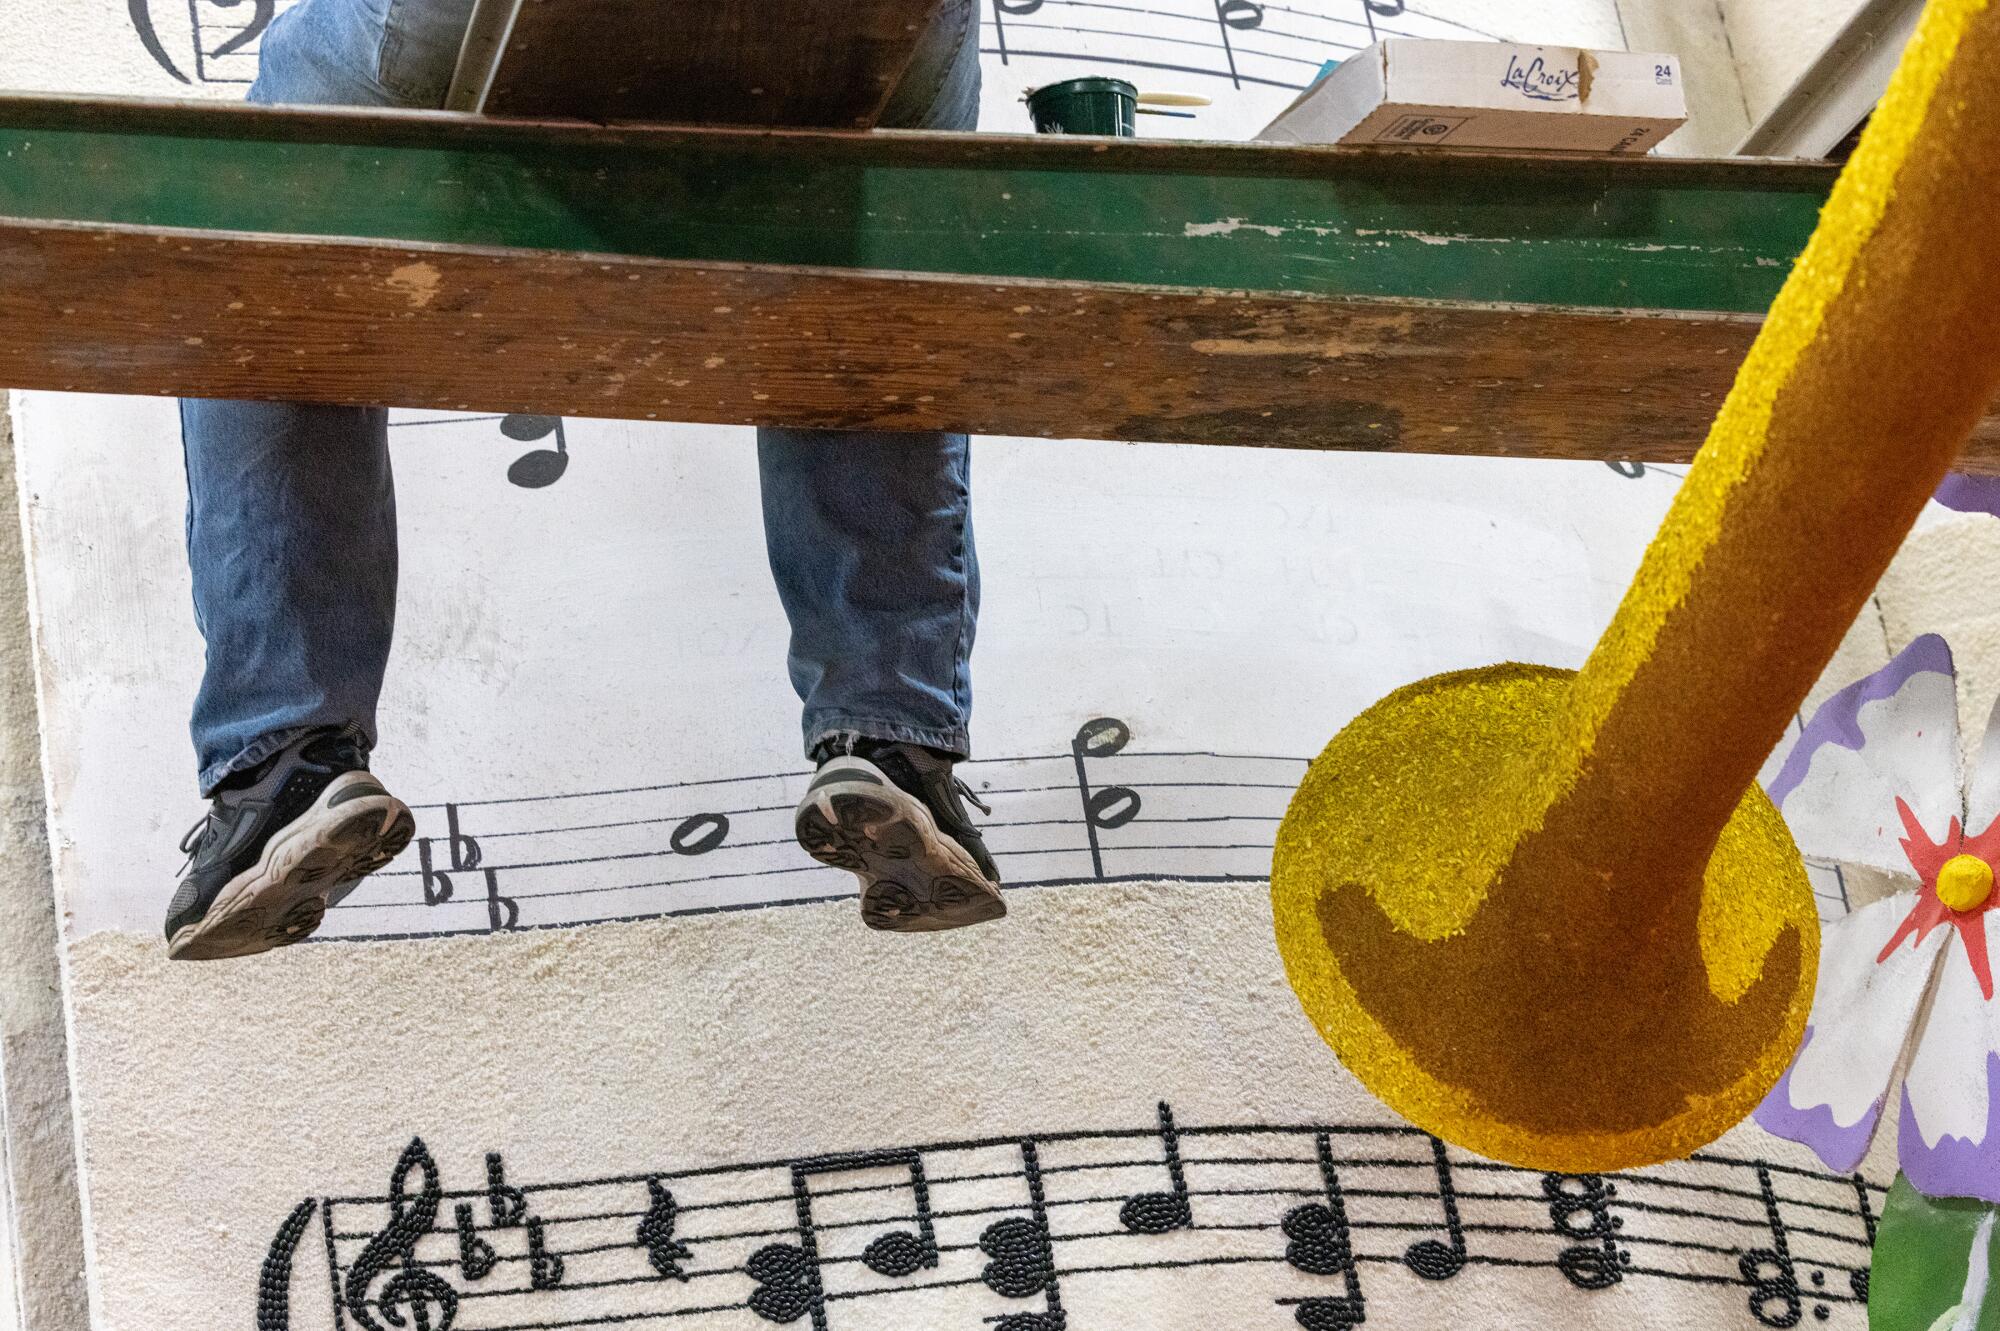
x: 107, y: 309
x: 731, y: 62
x: 1304, y: 298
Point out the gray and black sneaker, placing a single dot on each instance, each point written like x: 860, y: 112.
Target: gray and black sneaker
x: 893, y: 815
x: 280, y: 844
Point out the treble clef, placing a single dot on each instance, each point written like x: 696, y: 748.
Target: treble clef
x: 431, y: 1304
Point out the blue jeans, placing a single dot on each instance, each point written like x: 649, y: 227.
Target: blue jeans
x: 292, y: 510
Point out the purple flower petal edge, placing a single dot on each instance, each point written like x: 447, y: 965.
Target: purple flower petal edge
x: 1841, y: 1148
x: 1956, y: 1166
x: 1838, y: 720
x: 1970, y: 494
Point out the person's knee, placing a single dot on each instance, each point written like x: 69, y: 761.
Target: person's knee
x: 397, y: 53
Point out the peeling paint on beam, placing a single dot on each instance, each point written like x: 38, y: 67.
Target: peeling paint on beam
x: 1414, y: 224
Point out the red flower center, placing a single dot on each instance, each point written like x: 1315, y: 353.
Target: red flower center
x: 1929, y: 859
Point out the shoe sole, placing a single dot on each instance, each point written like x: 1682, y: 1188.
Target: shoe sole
x: 914, y: 878
x: 309, y: 866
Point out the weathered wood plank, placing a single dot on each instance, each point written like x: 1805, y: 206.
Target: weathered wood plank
x: 106, y: 309
x: 732, y: 62
x: 1643, y: 234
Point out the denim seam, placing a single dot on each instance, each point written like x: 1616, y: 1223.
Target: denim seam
x: 823, y: 724
x: 944, y: 71
x: 961, y: 686
x: 256, y: 751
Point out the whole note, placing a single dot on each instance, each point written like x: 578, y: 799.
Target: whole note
x: 415, y: 1289
x: 1580, y: 1208
x: 700, y: 834
x: 656, y: 1233
x: 1631, y: 471
x: 1770, y: 1272
x: 542, y: 466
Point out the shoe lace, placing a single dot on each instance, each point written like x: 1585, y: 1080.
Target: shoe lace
x: 966, y: 793
x: 192, y: 841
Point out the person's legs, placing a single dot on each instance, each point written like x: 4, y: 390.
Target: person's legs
x: 870, y: 537
x: 292, y: 546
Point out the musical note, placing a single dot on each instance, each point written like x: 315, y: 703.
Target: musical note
x: 1241, y: 15
x: 413, y: 1289
x: 508, y: 1206
x: 787, y: 1283
x: 1320, y: 1242
x: 1580, y: 1208
x: 1427, y: 1257
x: 700, y: 834
x: 274, y: 1284
x: 541, y: 466
x: 545, y: 1269
x: 1645, y: 1225
x: 261, y: 14
x: 1162, y: 1212
x: 1858, y: 1280
x: 788, y: 1279
x: 463, y: 853
x: 1631, y: 471
x: 502, y: 913
x: 1770, y: 1273
x: 1113, y: 806
x: 1023, y: 1260
x: 897, y: 1253
x: 656, y: 1233
x: 475, y: 1255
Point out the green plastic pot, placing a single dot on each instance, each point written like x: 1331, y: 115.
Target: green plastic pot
x: 1086, y: 106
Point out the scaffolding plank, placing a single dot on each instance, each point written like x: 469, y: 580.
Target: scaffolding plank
x: 743, y: 62
x: 1308, y: 298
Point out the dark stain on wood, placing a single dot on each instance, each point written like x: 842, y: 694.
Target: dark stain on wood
x: 132, y: 310
x: 736, y: 62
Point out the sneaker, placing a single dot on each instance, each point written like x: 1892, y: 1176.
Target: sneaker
x: 281, y: 844
x: 893, y: 815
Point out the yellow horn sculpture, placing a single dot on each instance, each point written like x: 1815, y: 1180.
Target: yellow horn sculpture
x: 1549, y: 916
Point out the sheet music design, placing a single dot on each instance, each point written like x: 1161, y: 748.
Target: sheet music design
x: 1102, y: 810
x: 1218, y: 44
x: 204, y: 41
x: 1015, y: 1232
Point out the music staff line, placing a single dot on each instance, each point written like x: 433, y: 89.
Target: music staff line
x: 1102, y: 812
x: 1233, y: 23
x: 1587, y: 1214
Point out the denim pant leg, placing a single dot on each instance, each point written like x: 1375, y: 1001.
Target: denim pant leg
x: 870, y: 532
x: 291, y: 509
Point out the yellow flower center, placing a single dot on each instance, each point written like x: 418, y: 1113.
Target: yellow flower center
x: 1965, y: 882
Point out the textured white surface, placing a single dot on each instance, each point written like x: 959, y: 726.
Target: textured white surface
x: 627, y: 1050
x: 1774, y: 41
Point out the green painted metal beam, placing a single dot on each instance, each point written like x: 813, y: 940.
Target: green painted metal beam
x: 1627, y: 233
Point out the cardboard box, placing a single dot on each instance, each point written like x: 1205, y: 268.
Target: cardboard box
x: 1404, y: 90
